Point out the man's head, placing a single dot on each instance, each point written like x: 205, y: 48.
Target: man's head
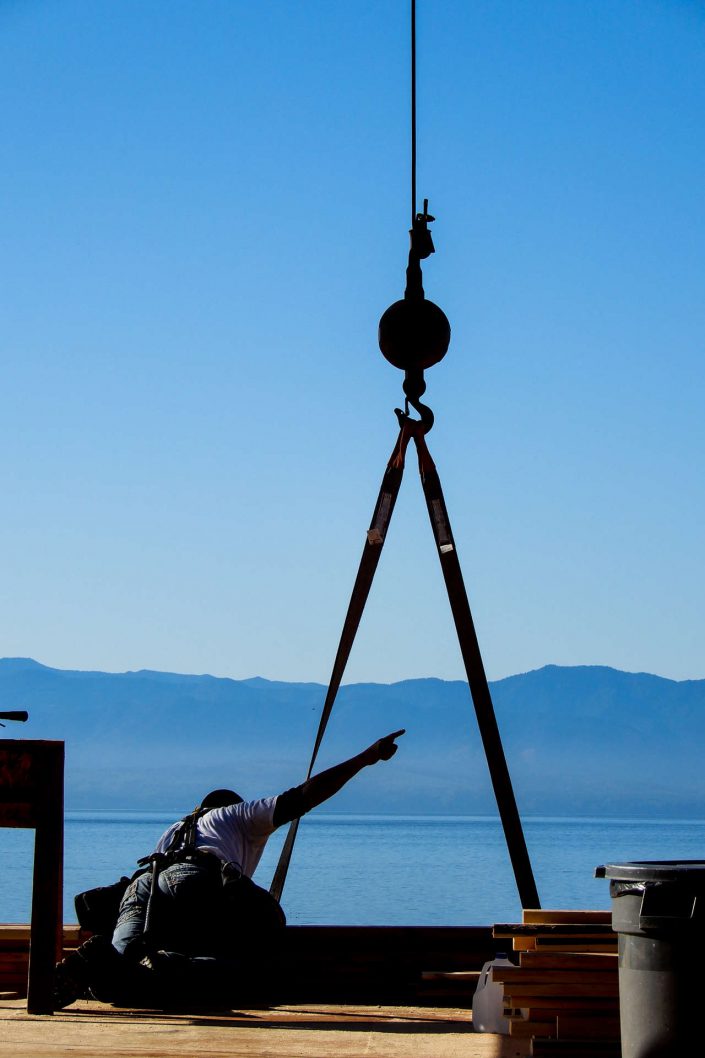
x: 220, y: 799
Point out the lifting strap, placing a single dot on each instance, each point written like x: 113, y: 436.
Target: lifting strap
x: 376, y: 535
x: 477, y: 679
x: 470, y: 650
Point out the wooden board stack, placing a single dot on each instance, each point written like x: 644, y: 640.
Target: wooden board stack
x: 563, y: 995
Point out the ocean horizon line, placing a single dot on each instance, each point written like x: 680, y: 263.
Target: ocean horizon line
x: 172, y: 813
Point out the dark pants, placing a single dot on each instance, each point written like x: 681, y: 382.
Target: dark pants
x: 205, y: 927
x: 186, y: 913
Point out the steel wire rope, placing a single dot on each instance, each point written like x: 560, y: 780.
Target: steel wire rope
x: 413, y: 111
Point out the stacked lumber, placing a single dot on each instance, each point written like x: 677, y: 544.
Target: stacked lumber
x: 565, y: 987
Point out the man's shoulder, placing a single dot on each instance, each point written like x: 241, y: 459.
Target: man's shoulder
x: 168, y: 834
x: 245, y: 811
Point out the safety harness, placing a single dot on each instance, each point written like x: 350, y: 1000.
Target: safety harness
x: 181, y: 849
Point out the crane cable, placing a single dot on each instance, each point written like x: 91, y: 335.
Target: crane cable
x: 413, y: 111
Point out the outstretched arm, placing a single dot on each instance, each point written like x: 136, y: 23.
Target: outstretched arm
x: 320, y: 787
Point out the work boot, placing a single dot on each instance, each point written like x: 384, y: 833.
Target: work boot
x: 75, y: 975
x: 96, y: 971
x: 70, y: 981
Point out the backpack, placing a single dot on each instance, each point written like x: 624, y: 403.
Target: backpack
x: 97, y: 909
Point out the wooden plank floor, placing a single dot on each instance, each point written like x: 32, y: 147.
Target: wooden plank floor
x: 93, y: 1030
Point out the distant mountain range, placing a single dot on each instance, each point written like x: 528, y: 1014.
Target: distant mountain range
x: 584, y: 740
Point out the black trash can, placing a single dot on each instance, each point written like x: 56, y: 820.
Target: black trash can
x: 658, y: 911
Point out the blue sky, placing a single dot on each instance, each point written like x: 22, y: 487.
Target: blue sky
x: 204, y: 213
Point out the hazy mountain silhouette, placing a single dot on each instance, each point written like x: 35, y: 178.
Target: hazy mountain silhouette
x: 580, y: 740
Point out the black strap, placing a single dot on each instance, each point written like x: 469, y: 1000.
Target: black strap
x: 188, y: 838
x: 372, y: 550
x: 148, y: 926
x: 477, y: 679
x: 182, y: 843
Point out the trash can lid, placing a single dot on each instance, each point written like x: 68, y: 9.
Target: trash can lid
x: 654, y: 871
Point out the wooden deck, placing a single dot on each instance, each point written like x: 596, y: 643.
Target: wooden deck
x: 93, y: 1030
x: 349, y: 991
x: 397, y: 992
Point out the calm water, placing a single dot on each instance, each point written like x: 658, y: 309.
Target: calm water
x: 368, y: 870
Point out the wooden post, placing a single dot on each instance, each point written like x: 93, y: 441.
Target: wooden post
x: 32, y: 795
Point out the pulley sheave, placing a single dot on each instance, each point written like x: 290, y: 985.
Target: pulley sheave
x: 414, y: 334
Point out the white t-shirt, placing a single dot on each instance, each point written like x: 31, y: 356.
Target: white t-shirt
x: 235, y: 834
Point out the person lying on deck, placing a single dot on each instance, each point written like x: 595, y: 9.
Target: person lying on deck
x: 192, y: 925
